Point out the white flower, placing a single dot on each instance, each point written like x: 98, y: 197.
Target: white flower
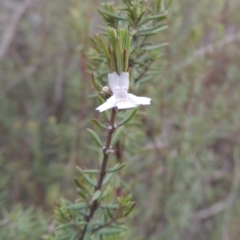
x: 121, y: 98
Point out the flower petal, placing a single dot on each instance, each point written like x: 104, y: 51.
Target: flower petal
x: 113, y: 81
x: 125, y: 103
x: 124, y: 80
x: 110, y: 103
x: 139, y: 100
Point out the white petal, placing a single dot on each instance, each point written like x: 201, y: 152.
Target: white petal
x: 124, y: 80
x: 125, y: 104
x: 139, y: 100
x: 113, y: 81
x: 110, y: 103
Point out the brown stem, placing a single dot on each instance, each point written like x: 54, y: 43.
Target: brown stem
x: 94, y: 205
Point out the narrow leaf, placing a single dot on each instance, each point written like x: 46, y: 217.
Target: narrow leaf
x: 97, y: 123
x: 95, y: 83
x: 86, y: 177
x: 148, y: 33
x: 130, y: 209
x: 109, y: 206
x: 128, y: 117
x: 116, y: 168
x: 105, y: 50
x: 96, y: 195
x: 95, y: 137
x: 117, y: 135
x: 104, y: 13
x: 77, y: 206
x: 108, y: 177
x: 91, y: 171
x: 153, y: 47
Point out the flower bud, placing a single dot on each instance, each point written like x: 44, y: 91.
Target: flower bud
x: 106, y: 90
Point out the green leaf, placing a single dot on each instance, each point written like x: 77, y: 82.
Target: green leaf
x: 80, y: 223
x: 110, y: 230
x: 108, y: 177
x: 105, y: 50
x: 104, y: 13
x: 74, y: 235
x: 64, y: 237
x: 153, y: 47
x: 97, y: 123
x: 116, y: 168
x: 130, y: 209
x: 88, y: 233
x: 91, y: 171
x: 64, y: 225
x: 96, y: 195
x: 147, y: 32
x: 95, y: 137
x: 77, y: 206
x: 82, y: 193
x: 86, y: 177
x: 117, y: 135
x: 95, y: 83
x: 128, y: 117
x: 157, y: 17
x: 109, y: 206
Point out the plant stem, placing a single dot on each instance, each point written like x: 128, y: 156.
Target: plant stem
x: 94, y: 204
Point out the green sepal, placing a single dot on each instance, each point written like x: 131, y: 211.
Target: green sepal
x: 95, y: 137
x: 117, y: 135
x: 113, y: 64
x: 119, y: 56
x: 97, y: 123
x: 125, y: 60
x: 128, y: 117
x: 130, y: 71
x: 112, y: 34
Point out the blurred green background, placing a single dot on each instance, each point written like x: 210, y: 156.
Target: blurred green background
x: 183, y: 162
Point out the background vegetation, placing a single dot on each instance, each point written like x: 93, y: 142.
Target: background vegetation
x: 183, y: 161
